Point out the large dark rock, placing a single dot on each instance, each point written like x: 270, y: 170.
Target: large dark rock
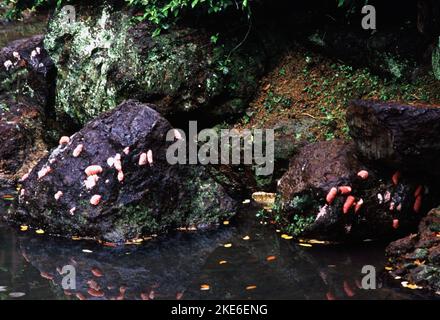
x: 388, y: 208
x: 22, y: 141
x: 151, y: 198
x: 416, y: 258
x: 403, y: 136
x: 27, y: 72
x: 103, y: 59
x: 27, y: 83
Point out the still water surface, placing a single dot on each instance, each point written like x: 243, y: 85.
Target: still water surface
x: 180, y: 265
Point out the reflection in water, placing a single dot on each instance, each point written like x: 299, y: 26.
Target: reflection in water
x: 178, y: 266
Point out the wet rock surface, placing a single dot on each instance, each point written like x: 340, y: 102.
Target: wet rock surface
x: 27, y: 90
x: 111, y: 180
x: 416, y: 258
x: 328, y: 193
x: 26, y: 71
x: 179, y: 70
x: 404, y: 136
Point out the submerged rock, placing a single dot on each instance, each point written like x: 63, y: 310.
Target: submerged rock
x: 329, y: 194
x: 104, y: 58
x: 96, y: 185
x: 416, y: 258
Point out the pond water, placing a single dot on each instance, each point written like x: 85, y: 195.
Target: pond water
x: 256, y: 263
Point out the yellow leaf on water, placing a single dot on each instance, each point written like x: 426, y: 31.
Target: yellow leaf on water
x: 204, y: 287
x: 228, y: 245
x: 419, y: 263
x: 76, y: 238
x: 251, y: 287
x: 286, y: 236
x: 305, y: 245
x: 226, y: 222
x: 388, y: 268
x: 24, y: 228
x: 314, y: 241
x: 223, y: 262
x: 39, y: 231
x: 246, y: 238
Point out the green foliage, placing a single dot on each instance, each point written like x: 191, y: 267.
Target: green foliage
x: 159, y: 12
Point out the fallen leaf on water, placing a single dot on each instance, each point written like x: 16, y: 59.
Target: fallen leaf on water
x: 397, y: 277
x: 76, y: 238
x: 3, y: 288
x: 87, y: 251
x: 246, y: 201
x: 412, y: 286
x: 24, y: 228
x: 39, y: 231
x: 305, y: 245
x: 314, y: 241
x: 226, y: 222
x: 17, y: 294
x: 204, y: 287
x: 286, y: 236
x: 251, y: 287
x: 246, y: 238
x: 419, y: 263
x: 223, y: 262
x: 109, y: 244
x: 228, y: 245
x: 271, y: 258
x: 388, y: 268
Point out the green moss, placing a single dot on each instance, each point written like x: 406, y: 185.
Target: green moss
x: 293, y: 216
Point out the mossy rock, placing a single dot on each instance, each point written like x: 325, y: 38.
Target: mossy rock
x: 104, y: 58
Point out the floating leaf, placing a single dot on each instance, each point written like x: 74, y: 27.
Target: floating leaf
x: 388, y: 268
x: 286, y: 236
x: 87, y: 251
x: 228, y: 245
x: 76, y: 238
x: 205, y: 287
x: 39, y: 231
x: 17, y: 294
x: 271, y: 258
x: 24, y: 228
x: 314, y: 241
x: 223, y: 262
x: 226, y: 222
x: 305, y: 245
x: 252, y: 287
x: 246, y: 201
x: 246, y: 238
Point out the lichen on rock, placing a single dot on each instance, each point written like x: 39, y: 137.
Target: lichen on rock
x: 105, y: 57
